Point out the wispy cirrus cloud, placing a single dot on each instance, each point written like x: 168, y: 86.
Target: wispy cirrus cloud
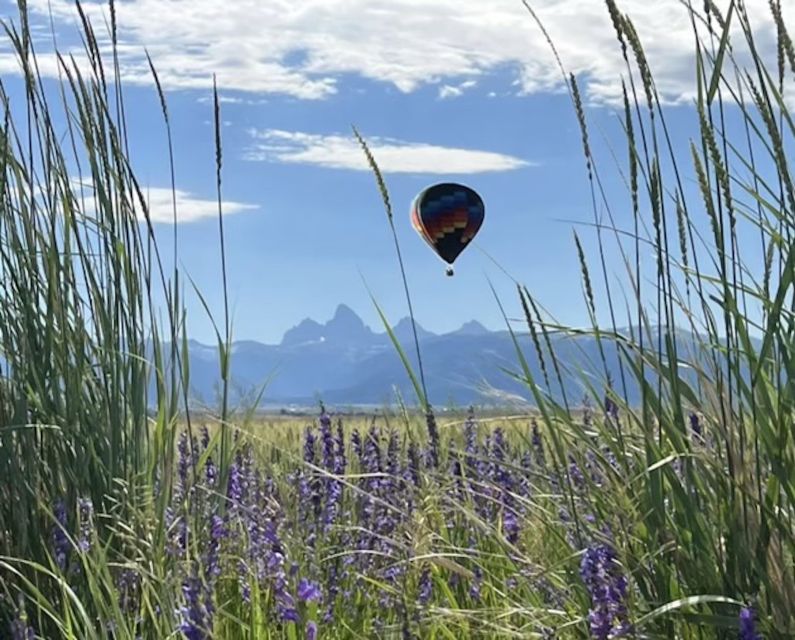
x: 393, y: 156
x: 303, y: 48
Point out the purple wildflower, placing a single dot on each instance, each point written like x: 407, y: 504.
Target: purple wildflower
x: 332, y: 589
x: 433, y: 440
x: 525, y: 481
x: 311, y: 630
x: 611, y: 408
x: 356, y: 443
x: 212, y: 559
x: 607, y: 587
x: 265, y: 550
x: 695, y: 427
x: 471, y: 441
x: 413, y: 467
x: 128, y: 584
x: 327, y: 439
x: 308, y: 591
x: 86, y: 520
x: 196, y: 624
x: 20, y: 628
x: 339, y: 442
x: 210, y: 473
x: 474, y: 586
x: 575, y: 473
x: 425, y: 587
x: 748, y: 625
x: 60, y: 543
x: 184, y: 465
x: 332, y: 463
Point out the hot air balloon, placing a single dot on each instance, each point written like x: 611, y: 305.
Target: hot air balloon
x: 447, y: 216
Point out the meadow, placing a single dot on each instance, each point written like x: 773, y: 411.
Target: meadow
x: 124, y: 515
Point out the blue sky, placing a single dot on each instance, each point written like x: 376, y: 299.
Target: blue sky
x: 443, y: 90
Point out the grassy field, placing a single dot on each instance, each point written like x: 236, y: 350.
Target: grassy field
x: 122, y: 516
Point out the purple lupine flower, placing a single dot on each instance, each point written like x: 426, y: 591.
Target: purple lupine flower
x: 471, y: 442
x: 184, y: 465
x: 433, y: 440
x: 413, y: 466
x: 20, y: 626
x: 610, y: 406
x: 311, y: 630
x: 748, y: 625
x: 86, y: 521
x: 356, y: 443
x: 474, y: 586
x: 313, y: 486
x: 405, y: 623
x: 575, y: 473
x: 309, y: 446
x: 195, y: 619
x: 525, y: 480
x: 593, y: 467
x: 607, y: 587
x: 212, y: 559
x: 510, y: 521
x: 339, y: 441
x: 210, y: 473
x: 128, y: 584
x: 332, y: 589
x: 369, y: 513
x: 60, y: 543
x: 327, y: 440
x: 425, y: 590
x: 331, y: 463
x: 308, y: 591
x: 457, y: 472
x: 499, y: 452
x: 503, y: 478
x: 21, y: 630
x: 307, y: 487
x: 695, y: 427
x: 392, y: 456
x: 481, y: 485
x: 265, y: 550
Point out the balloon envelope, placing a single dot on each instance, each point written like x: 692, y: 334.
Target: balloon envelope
x: 447, y: 216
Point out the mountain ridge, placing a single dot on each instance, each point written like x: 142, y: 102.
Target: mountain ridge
x: 343, y: 361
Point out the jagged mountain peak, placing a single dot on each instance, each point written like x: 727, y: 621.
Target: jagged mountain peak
x: 403, y: 330
x: 304, y: 332
x: 345, y: 327
x: 472, y: 328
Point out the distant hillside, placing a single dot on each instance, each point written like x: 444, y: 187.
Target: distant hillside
x: 344, y: 362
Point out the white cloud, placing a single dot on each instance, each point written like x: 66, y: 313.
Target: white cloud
x: 303, y: 47
x: 454, y: 91
x: 189, y: 207
x: 160, y: 204
x: 449, y: 91
x: 393, y: 156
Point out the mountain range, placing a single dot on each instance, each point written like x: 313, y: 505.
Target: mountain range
x: 343, y: 362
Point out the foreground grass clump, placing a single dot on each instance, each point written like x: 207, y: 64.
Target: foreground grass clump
x: 671, y: 517
x: 366, y: 531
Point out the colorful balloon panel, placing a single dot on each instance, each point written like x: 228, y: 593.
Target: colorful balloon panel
x: 447, y: 216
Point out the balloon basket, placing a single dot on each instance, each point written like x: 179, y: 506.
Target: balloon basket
x: 449, y: 272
